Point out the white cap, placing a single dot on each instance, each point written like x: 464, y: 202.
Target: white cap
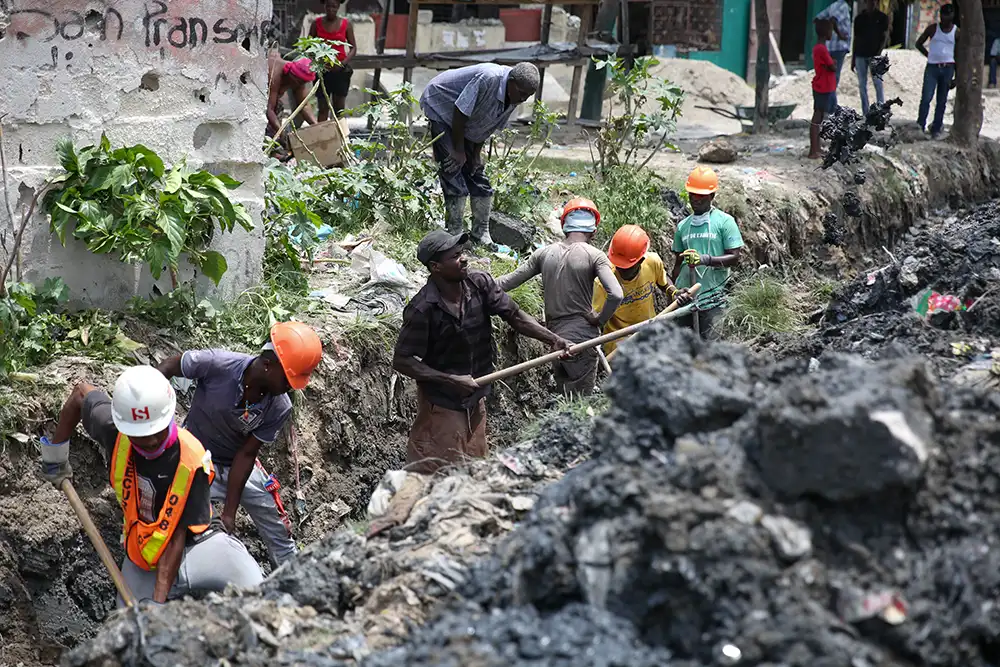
x: 143, y: 403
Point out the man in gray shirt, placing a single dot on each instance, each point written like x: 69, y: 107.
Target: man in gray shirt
x: 241, y: 403
x: 465, y: 106
x: 568, y: 269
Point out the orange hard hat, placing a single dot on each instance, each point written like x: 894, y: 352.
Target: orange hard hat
x: 299, y: 351
x: 577, y: 204
x: 702, y: 181
x: 628, y: 246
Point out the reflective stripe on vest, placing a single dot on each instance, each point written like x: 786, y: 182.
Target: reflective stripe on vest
x: 144, y: 542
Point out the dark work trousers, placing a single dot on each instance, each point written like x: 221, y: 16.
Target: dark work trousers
x: 458, y: 181
x: 709, y: 322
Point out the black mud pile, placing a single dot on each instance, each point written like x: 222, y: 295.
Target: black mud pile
x: 738, y: 511
x: 742, y: 512
x: 875, y: 314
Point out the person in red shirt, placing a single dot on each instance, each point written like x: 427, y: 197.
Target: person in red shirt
x: 824, y: 84
x: 337, y: 81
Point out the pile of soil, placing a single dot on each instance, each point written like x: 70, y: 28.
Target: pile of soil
x: 741, y: 512
x: 874, y: 314
x: 735, y: 511
x: 705, y: 84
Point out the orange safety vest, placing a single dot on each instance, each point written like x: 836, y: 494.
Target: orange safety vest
x: 144, y: 542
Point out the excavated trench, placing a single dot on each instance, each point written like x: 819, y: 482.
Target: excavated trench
x: 655, y: 552
x: 350, y: 428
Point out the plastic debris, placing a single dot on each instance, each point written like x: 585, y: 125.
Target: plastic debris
x: 392, y: 482
x: 929, y: 302
x: 855, y: 605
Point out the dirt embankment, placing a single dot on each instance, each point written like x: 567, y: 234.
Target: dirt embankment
x: 736, y: 511
x: 780, y: 205
x: 876, y: 313
x: 351, y: 426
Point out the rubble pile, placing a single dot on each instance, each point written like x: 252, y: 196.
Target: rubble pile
x: 877, y: 313
x: 342, y: 596
x: 760, y: 511
x: 735, y: 511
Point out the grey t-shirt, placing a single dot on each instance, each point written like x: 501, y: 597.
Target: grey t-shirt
x: 568, y: 271
x: 218, y: 416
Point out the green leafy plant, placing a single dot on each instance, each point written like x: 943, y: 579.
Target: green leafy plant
x: 34, y: 328
x: 126, y: 201
x: 630, y: 196
x: 324, y: 57
x: 392, y: 185
x: 511, y: 162
x: 290, y: 225
x: 632, y: 118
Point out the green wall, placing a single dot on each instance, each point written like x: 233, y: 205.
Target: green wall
x: 815, y: 7
x: 736, y: 35
x: 735, y: 38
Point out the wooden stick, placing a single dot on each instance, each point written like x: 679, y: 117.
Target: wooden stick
x: 603, y: 359
x: 390, y: 5
x: 411, y: 38
x: 95, y: 538
x: 777, y: 52
x: 669, y: 313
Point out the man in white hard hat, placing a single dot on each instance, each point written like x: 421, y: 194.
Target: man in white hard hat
x: 162, y: 477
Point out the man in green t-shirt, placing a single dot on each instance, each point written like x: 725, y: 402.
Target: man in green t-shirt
x: 706, y: 244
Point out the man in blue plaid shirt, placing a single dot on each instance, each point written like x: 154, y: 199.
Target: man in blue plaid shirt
x: 839, y: 13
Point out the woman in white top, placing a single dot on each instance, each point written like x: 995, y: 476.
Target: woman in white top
x: 939, y: 75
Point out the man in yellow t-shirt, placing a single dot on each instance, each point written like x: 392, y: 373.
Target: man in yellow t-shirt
x: 639, y: 272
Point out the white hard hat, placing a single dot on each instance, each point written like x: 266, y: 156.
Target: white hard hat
x: 143, y: 403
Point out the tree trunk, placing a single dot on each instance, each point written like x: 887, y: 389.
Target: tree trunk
x: 762, y: 75
x: 969, y: 52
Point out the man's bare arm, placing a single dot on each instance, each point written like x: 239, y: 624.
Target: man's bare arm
x: 71, y: 412
x: 169, y: 565
x: 927, y: 34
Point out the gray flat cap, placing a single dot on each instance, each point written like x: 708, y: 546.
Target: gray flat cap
x: 438, y: 241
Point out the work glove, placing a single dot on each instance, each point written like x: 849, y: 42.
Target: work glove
x: 55, y: 462
x: 693, y: 258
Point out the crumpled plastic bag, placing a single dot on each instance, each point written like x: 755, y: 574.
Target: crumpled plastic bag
x: 390, y: 485
x: 382, y: 270
x: 983, y: 372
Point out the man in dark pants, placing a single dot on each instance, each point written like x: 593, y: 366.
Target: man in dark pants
x: 445, y: 343
x: 871, y: 30
x: 465, y: 106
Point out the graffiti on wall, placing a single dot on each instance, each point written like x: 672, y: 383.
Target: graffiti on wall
x: 160, y: 27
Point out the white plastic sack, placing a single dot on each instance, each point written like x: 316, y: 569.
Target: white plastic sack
x: 391, y: 483
x: 379, y: 268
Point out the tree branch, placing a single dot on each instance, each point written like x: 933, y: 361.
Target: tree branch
x: 6, y: 190
x: 16, y: 249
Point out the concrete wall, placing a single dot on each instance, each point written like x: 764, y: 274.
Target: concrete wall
x: 472, y: 34
x: 186, y: 80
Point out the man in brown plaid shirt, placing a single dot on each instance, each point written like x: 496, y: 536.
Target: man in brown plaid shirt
x: 445, y: 343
